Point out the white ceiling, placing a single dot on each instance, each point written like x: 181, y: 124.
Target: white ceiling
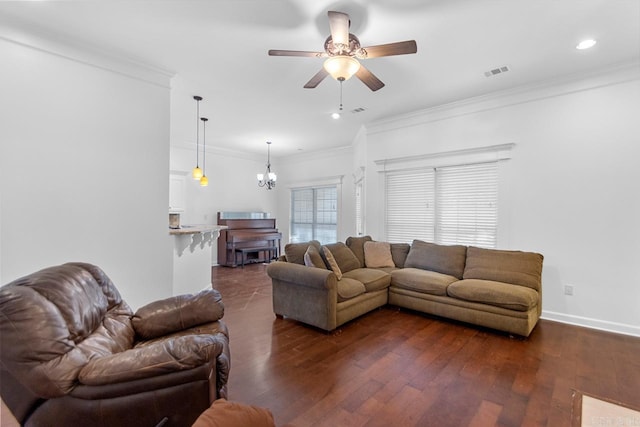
x: 218, y: 48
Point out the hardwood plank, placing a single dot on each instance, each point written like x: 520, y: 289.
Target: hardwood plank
x: 398, y: 367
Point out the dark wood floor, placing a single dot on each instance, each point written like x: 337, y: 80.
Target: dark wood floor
x: 394, y: 367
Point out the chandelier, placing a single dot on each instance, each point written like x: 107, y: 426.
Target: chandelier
x: 267, y: 179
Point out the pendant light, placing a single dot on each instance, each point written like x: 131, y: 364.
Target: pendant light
x: 204, y: 181
x: 267, y: 179
x: 196, y: 173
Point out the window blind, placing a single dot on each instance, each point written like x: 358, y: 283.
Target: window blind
x: 448, y: 205
x: 410, y: 207
x: 467, y: 205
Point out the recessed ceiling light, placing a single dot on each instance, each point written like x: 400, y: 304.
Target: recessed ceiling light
x: 335, y: 116
x: 586, y: 44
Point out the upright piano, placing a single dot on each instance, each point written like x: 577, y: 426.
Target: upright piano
x: 249, y: 237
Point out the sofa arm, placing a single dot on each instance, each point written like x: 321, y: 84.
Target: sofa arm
x: 302, y: 275
x: 306, y: 294
x: 163, y: 357
x: 177, y: 313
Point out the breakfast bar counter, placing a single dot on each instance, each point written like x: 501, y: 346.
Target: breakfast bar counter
x: 193, y: 257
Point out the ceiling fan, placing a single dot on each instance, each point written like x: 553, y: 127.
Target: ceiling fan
x: 342, y: 50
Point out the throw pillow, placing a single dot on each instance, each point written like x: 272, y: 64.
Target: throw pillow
x: 312, y: 258
x: 378, y: 255
x: 332, y: 262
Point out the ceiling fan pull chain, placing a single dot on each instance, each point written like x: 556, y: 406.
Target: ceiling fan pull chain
x: 341, y: 94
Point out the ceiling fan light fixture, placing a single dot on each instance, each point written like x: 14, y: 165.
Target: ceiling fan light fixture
x: 341, y: 67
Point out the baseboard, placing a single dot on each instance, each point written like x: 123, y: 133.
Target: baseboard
x: 587, y: 322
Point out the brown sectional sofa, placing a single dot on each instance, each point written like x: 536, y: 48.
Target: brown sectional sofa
x: 498, y: 289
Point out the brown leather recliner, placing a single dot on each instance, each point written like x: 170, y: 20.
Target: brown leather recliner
x: 73, y: 352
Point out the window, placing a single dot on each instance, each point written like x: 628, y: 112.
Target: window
x: 447, y: 205
x: 314, y: 213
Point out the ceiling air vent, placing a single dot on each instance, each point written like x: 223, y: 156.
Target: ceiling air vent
x: 496, y: 71
x: 357, y: 110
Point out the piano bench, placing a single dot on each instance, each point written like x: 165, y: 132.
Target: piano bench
x: 273, y: 252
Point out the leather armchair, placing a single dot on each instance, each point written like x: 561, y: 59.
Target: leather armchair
x: 73, y: 352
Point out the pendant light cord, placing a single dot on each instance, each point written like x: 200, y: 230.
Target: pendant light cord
x: 197, y: 131
x: 204, y: 142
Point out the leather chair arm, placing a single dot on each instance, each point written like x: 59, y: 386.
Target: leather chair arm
x: 159, y: 382
x: 160, y: 358
x: 173, y: 314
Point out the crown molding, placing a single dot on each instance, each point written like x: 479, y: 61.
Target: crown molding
x: 572, y: 83
x: 345, y: 150
x: 32, y: 37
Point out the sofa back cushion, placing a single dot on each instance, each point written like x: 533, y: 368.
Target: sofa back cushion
x: 345, y: 258
x: 516, y: 267
x: 356, y: 244
x: 439, y: 258
x: 294, y: 252
x: 399, y: 252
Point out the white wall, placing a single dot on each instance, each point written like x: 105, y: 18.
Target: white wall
x: 573, y: 185
x: 84, y: 159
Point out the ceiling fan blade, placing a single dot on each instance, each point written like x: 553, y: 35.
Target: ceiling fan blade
x: 315, y: 80
x: 339, y: 24
x: 369, y: 79
x: 275, y: 52
x: 398, y: 48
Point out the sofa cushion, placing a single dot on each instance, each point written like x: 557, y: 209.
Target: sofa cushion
x: 519, y: 268
x: 378, y: 255
x: 426, y: 281
x: 373, y: 280
x: 312, y: 258
x: 498, y: 294
x: 443, y: 259
x: 294, y: 252
x: 331, y: 262
x: 349, y: 288
x: 399, y: 252
x: 356, y: 244
x: 345, y: 258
